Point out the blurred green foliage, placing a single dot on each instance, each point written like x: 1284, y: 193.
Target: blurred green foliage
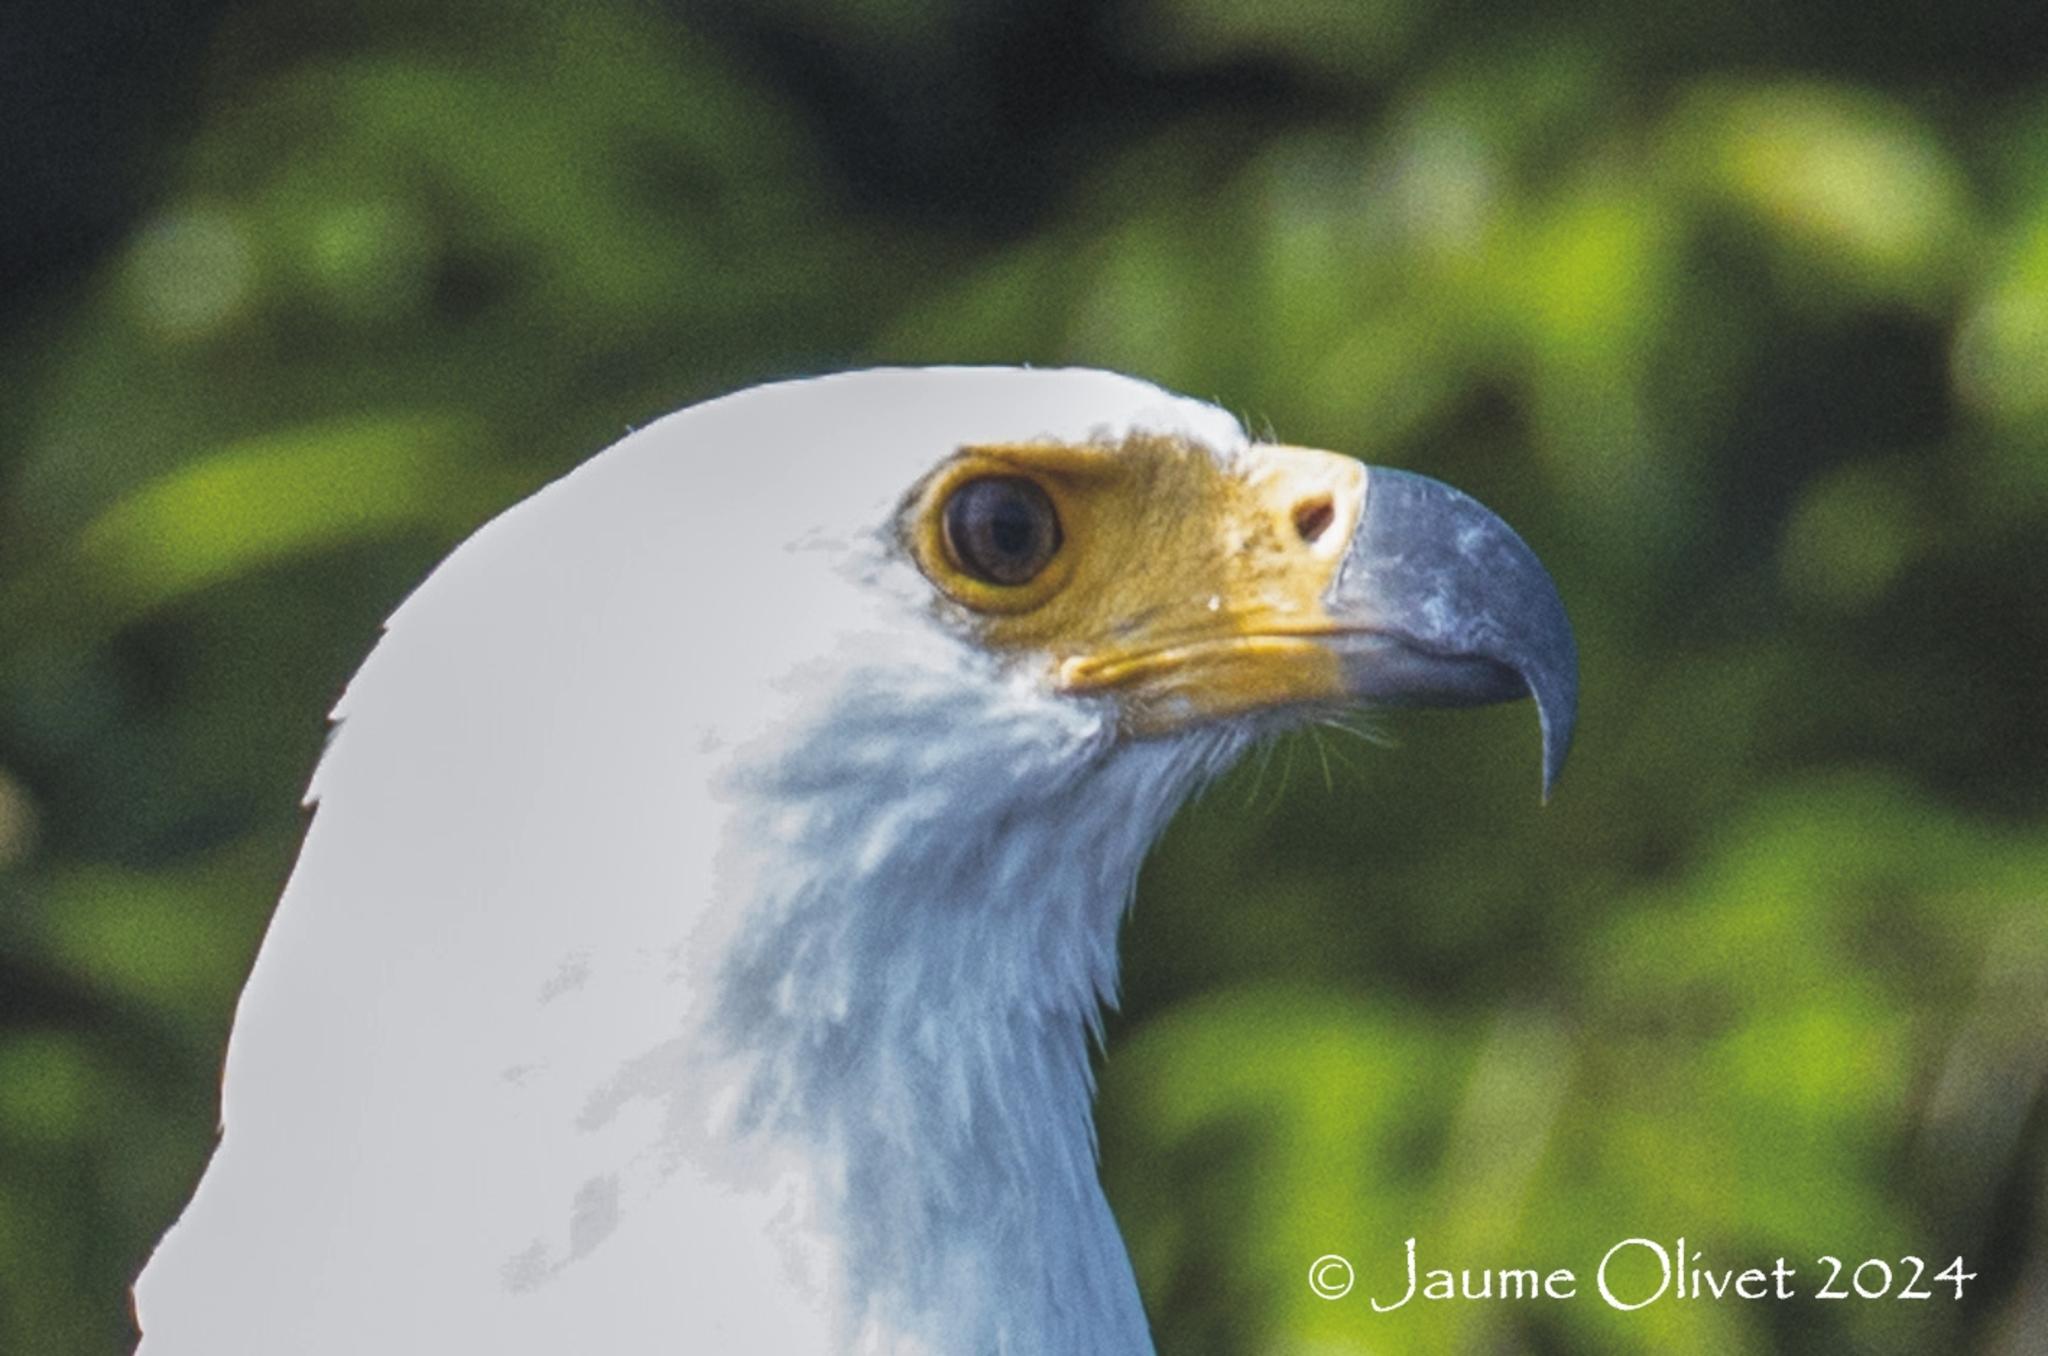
x: 1741, y: 317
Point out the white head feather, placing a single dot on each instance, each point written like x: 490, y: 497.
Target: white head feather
x: 696, y: 939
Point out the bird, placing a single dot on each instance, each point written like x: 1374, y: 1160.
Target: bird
x: 712, y: 887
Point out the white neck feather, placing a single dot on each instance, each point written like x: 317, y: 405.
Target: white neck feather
x: 926, y: 953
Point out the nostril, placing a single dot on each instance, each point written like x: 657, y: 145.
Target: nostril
x: 1312, y: 517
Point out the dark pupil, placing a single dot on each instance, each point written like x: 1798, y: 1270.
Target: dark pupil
x: 1012, y: 529
x: 1002, y: 529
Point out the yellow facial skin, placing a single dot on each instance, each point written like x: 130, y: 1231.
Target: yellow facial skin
x: 1187, y: 589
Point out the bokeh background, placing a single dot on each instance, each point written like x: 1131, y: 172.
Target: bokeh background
x: 1738, y: 310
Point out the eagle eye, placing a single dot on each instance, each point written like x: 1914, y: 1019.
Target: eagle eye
x: 1001, y: 529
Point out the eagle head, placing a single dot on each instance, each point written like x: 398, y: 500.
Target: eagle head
x: 717, y: 869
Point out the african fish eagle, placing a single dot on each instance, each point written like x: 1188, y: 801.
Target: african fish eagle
x: 716, y: 870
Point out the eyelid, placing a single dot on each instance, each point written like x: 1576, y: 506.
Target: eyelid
x: 1048, y: 463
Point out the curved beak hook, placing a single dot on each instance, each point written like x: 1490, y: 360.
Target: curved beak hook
x: 1444, y: 605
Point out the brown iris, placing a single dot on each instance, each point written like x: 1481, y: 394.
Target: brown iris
x: 1002, y: 530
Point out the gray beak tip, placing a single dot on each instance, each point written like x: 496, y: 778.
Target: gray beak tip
x: 1557, y: 717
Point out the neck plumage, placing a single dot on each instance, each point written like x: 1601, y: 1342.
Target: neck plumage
x: 926, y: 956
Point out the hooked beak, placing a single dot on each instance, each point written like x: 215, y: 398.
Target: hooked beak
x: 1439, y: 603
